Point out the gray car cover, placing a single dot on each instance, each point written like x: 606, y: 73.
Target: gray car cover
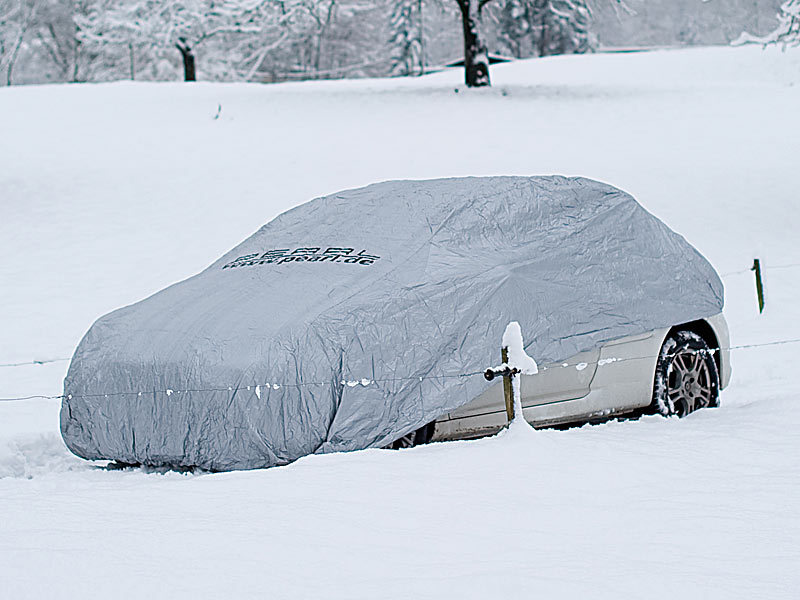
x: 355, y: 318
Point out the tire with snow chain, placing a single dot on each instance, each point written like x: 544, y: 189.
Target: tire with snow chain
x: 417, y: 437
x: 686, y: 376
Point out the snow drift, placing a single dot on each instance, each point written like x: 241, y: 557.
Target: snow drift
x: 352, y: 319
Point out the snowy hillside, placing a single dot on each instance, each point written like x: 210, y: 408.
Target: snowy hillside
x: 111, y: 192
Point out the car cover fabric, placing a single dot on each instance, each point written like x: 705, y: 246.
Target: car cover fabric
x: 355, y: 318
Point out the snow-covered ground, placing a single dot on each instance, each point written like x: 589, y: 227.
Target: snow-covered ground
x: 111, y: 192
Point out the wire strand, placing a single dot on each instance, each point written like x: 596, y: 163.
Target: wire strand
x: 367, y: 381
x: 34, y: 362
x: 763, y: 268
x: 729, y: 274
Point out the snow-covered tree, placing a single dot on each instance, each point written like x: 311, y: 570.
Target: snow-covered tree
x: 55, y: 38
x: 19, y: 23
x: 556, y: 26
x: 786, y: 33
x: 405, y: 39
x: 332, y: 36
x: 15, y: 19
x: 262, y: 40
x: 545, y: 27
x: 318, y: 38
x: 180, y: 24
x: 274, y: 40
x: 280, y: 29
x: 41, y: 33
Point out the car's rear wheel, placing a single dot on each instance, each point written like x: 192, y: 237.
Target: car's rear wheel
x: 420, y: 436
x: 686, y: 375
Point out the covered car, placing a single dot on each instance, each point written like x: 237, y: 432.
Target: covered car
x: 358, y: 317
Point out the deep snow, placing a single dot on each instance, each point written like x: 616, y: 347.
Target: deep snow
x: 111, y: 192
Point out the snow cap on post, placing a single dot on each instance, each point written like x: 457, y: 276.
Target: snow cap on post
x: 517, y: 357
x: 518, y: 362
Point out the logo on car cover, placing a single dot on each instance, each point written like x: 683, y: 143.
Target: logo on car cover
x: 298, y: 255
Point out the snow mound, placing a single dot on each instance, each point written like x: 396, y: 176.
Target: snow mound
x: 656, y: 508
x: 31, y: 456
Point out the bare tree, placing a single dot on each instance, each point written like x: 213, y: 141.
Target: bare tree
x: 406, y: 37
x: 180, y: 24
x: 16, y: 18
x: 54, y: 37
x: 284, y: 38
x: 544, y: 27
x: 326, y: 38
x: 572, y: 16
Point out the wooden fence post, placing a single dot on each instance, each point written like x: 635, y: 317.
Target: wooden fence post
x: 508, y: 390
x: 759, y: 284
x: 523, y: 364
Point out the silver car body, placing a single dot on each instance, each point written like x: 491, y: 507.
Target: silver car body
x: 613, y: 379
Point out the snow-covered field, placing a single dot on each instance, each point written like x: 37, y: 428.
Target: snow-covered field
x: 111, y: 192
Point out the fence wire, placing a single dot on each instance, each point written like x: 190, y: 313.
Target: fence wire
x: 367, y: 381
x: 33, y: 362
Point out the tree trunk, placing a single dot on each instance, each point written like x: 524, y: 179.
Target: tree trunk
x: 188, y: 62
x: 13, y: 59
x: 76, y: 53
x: 421, y: 39
x: 476, y: 56
x: 131, y: 56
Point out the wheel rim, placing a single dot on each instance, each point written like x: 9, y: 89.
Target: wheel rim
x: 689, y: 385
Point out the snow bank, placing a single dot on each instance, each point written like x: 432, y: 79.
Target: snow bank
x: 100, y: 182
x: 30, y: 456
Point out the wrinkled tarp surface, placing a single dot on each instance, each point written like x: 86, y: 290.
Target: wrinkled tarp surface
x: 404, y: 285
